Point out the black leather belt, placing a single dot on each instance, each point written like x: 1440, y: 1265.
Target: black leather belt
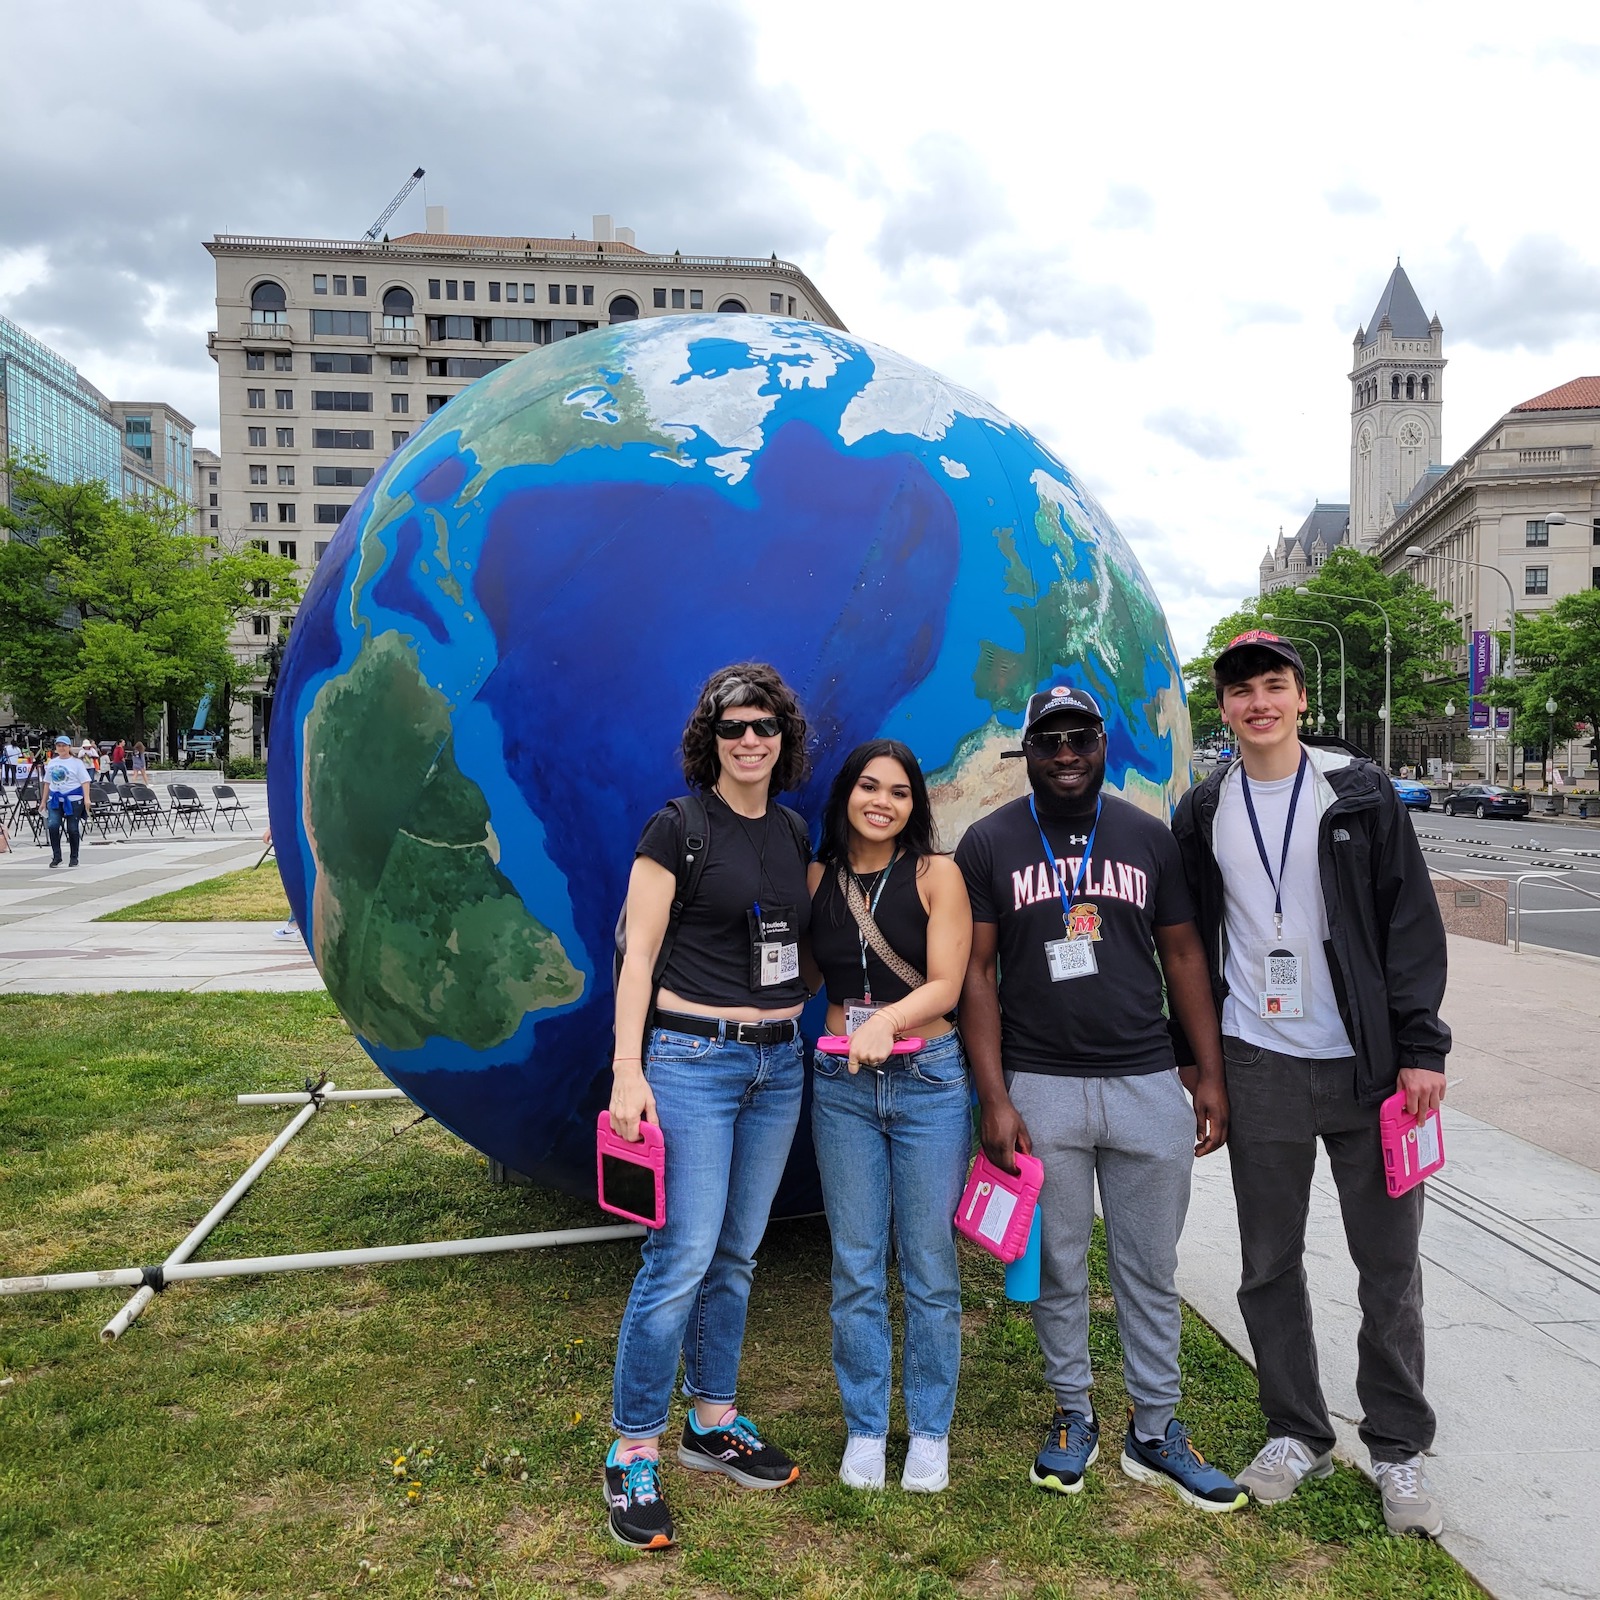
x: 717, y: 1028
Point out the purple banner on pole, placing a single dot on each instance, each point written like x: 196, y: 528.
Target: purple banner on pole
x: 1479, y: 669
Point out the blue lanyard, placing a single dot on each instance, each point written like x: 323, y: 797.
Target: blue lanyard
x: 1288, y: 832
x: 872, y: 911
x: 1067, y: 895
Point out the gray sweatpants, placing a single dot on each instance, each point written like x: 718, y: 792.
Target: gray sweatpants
x: 1137, y: 1136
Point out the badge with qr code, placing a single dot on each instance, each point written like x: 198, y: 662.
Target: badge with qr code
x: 1283, y: 997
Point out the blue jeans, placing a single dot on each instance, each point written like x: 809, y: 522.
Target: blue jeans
x: 727, y: 1113
x: 57, y: 817
x: 892, y: 1148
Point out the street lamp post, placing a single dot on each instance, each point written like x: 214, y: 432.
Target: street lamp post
x: 1550, y: 742
x: 1450, y: 758
x: 1296, y: 639
x: 1386, y: 714
x: 1416, y: 553
x: 1306, y: 622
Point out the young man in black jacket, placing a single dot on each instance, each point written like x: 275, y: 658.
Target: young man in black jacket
x: 1327, y: 957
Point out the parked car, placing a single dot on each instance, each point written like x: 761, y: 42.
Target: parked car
x: 1488, y: 800
x: 1414, y: 796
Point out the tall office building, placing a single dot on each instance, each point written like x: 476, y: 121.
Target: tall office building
x: 50, y: 410
x: 329, y: 353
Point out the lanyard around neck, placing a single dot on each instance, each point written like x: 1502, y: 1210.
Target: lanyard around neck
x: 1288, y: 832
x: 872, y: 911
x: 1067, y: 895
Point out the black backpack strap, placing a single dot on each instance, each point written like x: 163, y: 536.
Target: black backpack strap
x: 801, y: 830
x: 695, y: 827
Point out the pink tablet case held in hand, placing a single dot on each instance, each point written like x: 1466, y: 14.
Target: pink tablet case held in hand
x: 1413, y: 1147
x: 631, y: 1176
x: 996, y: 1208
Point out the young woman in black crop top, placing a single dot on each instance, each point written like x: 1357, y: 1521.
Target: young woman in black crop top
x: 892, y: 1132
x: 721, y: 1076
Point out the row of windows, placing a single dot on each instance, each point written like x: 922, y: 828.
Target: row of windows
x: 325, y: 361
x: 256, y: 361
x: 506, y: 330
x: 1538, y: 533
x: 556, y: 294
x: 341, y: 285
x: 341, y: 400
x: 1411, y: 387
x: 333, y: 439
x: 286, y: 513
x: 256, y: 399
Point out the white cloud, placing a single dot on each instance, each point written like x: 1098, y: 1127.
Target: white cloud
x: 1207, y: 437
x: 1351, y: 200
x: 1127, y: 206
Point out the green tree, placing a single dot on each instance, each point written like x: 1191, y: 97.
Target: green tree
x: 1205, y: 716
x: 107, y: 611
x: 1423, y: 633
x: 1558, y: 658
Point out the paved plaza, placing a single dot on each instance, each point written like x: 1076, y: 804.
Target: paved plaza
x: 1512, y: 1239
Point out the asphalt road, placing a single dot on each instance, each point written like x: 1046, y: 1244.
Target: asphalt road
x: 1553, y: 914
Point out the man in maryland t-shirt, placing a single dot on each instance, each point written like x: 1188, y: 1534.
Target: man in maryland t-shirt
x: 1079, y: 908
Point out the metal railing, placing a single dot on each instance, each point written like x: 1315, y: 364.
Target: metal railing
x: 1477, y: 886
x: 264, y: 330
x: 1516, y: 900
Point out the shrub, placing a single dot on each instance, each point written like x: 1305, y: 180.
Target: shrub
x: 242, y: 767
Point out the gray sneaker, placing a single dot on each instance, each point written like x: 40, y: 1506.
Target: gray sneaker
x: 1408, y: 1503
x: 1280, y: 1467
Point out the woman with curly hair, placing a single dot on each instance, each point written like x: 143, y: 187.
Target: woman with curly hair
x: 711, y: 984
x: 891, y: 929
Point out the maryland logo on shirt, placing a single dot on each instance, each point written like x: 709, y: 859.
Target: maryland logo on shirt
x: 1083, y: 921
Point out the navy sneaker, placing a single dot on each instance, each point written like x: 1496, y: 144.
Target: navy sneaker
x: 638, y: 1515
x: 737, y: 1450
x: 1071, y: 1447
x: 1175, y: 1464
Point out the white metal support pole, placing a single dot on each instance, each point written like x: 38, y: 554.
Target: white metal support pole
x: 130, y: 1313
x: 128, y: 1277
x: 300, y: 1098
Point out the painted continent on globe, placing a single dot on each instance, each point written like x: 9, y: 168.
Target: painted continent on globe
x: 482, y: 697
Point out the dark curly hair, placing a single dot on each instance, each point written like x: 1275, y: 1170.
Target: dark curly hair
x: 745, y: 683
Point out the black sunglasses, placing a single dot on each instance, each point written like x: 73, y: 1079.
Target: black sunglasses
x: 733, y: 728
x: 1080, y: 741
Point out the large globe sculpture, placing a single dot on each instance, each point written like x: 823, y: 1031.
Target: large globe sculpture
x: 481, y: 700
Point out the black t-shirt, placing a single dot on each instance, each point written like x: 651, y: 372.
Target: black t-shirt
x: 748, y: 861
x: 1108, y: 1023
x: 837, y: 945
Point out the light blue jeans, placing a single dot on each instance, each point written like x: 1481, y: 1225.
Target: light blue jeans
x: 727, y: 1113
x: 892, y: 1148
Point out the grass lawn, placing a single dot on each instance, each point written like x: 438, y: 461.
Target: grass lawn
x: 253, y: 894
x: 438, y: 1427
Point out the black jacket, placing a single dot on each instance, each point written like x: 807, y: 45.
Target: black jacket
x: 1385, y: 946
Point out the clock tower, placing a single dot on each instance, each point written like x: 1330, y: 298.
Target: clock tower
x: 1396, y: 390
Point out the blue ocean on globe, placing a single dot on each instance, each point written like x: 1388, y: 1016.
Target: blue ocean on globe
x: 481, y: 701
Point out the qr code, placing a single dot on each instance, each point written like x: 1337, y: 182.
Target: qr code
x: 1283, y: 972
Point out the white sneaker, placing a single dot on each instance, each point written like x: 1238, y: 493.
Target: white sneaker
x: 927, y: 1468
x: 863, y: 1464
x: 1408, y: 1503
x: 1280, y: 1466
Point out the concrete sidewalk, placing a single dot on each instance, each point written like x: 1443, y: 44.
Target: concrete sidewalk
x: 50, y: 941
x: 1512, y: 1252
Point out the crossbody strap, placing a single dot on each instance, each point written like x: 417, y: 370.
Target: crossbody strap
x: 873, y: 934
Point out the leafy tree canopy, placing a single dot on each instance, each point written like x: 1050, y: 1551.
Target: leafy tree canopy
x: 1352, y: 593
x: 107, y: 610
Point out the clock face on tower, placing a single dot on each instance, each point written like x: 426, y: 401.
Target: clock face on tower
x: 1410, y: 435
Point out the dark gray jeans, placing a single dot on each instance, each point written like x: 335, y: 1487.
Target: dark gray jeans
x: 1279, y: 1106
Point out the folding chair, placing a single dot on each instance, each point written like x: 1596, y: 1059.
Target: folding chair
x: 103, y: 809
x: 27, y: 810
x: 142, y: 807
x: 228, y: 805
x: 183, y: 800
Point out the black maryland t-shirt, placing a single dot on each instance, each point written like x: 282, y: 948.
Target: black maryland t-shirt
x: 748, y: 861
x: 1108, y: 1023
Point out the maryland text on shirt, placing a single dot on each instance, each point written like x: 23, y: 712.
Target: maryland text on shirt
x: 1117, y: 881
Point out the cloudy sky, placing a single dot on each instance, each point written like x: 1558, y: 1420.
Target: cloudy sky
x: 1147, y: 231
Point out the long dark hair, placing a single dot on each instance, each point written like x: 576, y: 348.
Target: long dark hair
x: 918, y: 838
x: 745, y: 683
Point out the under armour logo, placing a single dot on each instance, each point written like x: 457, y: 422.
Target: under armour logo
x: 1079, y: 838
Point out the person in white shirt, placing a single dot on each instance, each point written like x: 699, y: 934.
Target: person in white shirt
x: 65, y: 800
x: 12, y: 755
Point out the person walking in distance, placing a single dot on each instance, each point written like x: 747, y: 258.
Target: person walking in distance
x: 64, y: 799
x: 1076, y: 896
x: 12, y: 755
x: 1327, y: 956
x: 119, y: 762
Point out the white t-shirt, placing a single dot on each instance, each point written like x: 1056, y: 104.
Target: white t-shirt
x: 67, y: 775
x: 1248, y: 902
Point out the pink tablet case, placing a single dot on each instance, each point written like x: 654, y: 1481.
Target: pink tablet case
x: 649, y: 1152
x: 1413, y: 1147
x: 838, y: 1044
x: 996, y: 1208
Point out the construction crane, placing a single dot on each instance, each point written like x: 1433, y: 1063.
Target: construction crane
x: 394, y: 205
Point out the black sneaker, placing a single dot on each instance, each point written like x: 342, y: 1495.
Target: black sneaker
x: 639, y: 1516
x: 737, y: 1450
